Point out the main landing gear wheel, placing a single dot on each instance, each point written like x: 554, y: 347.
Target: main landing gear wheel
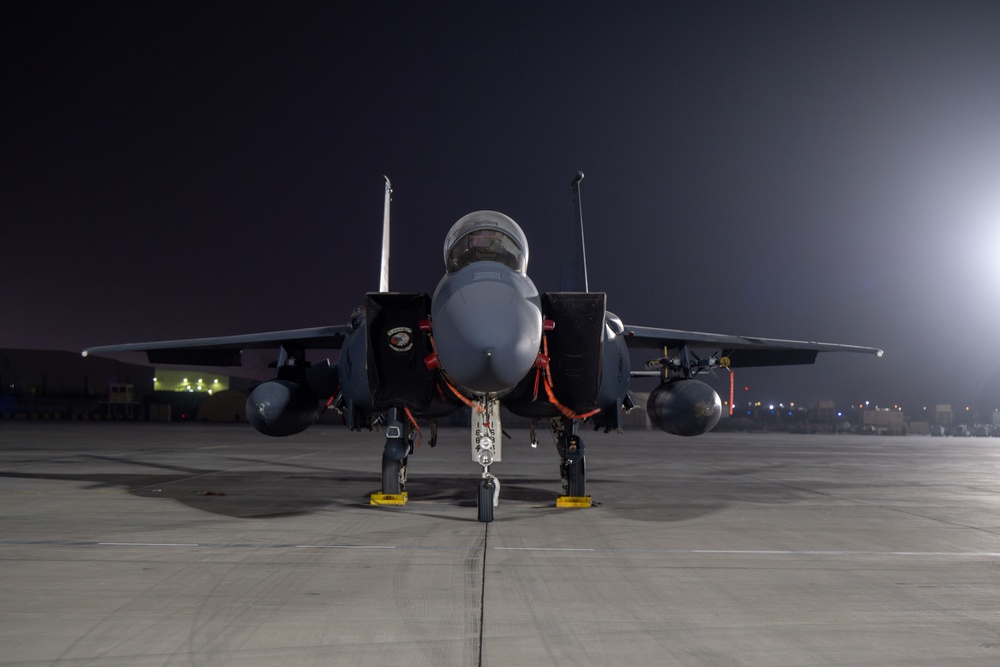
x: 576, y: 476
x: 572, y: 462
x: 393, y: 475
x: 398, y: 446
x: 487, y: 492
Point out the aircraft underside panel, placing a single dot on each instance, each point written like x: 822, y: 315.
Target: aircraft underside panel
x: 397, y: 347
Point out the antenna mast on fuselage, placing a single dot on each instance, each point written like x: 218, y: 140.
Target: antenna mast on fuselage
x: 383, y: 284
x: 574, y: 273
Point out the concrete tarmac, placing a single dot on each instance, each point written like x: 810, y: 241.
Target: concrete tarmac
x: 182, y: 544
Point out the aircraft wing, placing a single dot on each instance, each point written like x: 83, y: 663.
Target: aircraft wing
x: 743, y: 351
x: 226, y: 350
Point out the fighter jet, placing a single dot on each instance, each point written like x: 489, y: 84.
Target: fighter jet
x: 486, y: 338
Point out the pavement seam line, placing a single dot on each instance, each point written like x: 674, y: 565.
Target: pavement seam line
x: 482, y: 593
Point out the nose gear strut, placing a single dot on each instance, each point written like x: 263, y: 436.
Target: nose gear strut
x: 487, y: 438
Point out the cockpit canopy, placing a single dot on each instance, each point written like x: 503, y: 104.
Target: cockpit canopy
x: 485, y: 236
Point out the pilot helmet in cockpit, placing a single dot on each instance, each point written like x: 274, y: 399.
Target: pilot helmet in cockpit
x: 486, y: 236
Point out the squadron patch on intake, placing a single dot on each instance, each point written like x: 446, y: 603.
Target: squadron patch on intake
x: 400, y: 339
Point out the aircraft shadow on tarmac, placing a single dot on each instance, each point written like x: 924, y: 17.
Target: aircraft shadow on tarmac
x: 257, y: 493
x: 260, y: 493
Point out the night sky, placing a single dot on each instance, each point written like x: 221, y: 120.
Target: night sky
x: 813, y: 170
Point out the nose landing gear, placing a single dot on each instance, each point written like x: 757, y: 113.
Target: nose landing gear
x: 487, y: 438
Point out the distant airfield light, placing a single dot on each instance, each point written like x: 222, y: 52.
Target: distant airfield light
x: 215, y: 381
x: 185, y: 380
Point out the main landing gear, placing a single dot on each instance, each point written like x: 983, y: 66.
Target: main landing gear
x: 398, y: 446
x: 572, y: 459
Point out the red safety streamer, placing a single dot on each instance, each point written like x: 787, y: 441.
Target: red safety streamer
x: 732, y: 388
x: 550, y: 391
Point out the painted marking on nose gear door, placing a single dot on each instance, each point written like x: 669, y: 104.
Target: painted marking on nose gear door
x: 487, y: 437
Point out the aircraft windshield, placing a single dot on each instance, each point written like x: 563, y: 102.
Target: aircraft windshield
x: 486, y: 236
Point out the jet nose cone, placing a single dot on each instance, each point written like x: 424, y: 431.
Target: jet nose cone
x: 487, y: 336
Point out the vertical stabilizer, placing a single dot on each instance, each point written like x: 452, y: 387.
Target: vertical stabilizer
x: 574, y: 272
x: 383, y: 283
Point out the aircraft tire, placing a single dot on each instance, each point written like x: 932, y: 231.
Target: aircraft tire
x: 390, y: 476
x: 486, y: 490
x: 576, y: 477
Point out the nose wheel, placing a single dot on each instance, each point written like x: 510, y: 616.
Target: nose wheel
x: 489, y: 494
